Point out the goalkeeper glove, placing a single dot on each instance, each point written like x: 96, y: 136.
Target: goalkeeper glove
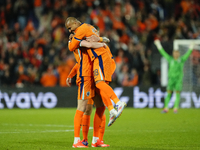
x: 158, y: 44
x: 191, y: 46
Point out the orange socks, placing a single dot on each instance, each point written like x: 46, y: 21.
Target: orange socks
x: 104, y: 98
x: 102, y: 127
x: 114, y: 97
x: 106, y: 93
x: 102, y: 86
x: 97, y: 120
x: 99, y: 123
x: 77, y: 123
x: 85, y: 126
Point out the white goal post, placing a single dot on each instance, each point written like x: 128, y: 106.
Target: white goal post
x: 186, y: 43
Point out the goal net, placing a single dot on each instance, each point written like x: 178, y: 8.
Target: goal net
x: 191, y: 78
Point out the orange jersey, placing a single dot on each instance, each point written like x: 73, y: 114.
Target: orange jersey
x: 108, y: 50
x: 113, y: 65
x: 84, y: 63
x: 77, y: 55
x: 85, y: 30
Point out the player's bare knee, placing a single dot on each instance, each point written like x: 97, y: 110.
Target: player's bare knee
x: 81, y: 108
x: 98, y: 101
x: 88, y: 112
x: 82, y: 105
x: 88, y: 109
x: 99, y: 104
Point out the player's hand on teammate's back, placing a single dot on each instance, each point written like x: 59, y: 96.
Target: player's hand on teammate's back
x: 93, y: 38
x: 69, y: 81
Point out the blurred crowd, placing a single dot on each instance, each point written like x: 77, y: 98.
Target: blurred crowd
x: 34, y: 40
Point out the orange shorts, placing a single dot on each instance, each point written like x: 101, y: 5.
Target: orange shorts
x: 90, y: 101
x: 86, y: 88
x: 102, y: 67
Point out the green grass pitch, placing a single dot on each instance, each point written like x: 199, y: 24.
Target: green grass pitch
x: 136, y: 129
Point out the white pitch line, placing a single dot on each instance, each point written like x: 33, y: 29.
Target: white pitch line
x: 37, y: 131
x: 150, y: 131
x: 46, y: 131
x: 45, y: 125
x: 32, y: 125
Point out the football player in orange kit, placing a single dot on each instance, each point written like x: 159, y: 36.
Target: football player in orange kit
x: 86, y: 91
x: 101, y: 61
x: 99, y: 122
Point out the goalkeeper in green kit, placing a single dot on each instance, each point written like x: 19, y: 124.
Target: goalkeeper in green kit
x: 175, y: 74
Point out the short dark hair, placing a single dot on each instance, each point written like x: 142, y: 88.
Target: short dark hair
x: 71, y: 19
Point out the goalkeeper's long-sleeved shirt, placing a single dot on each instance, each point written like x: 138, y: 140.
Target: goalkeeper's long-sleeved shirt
x: 175, y: 66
